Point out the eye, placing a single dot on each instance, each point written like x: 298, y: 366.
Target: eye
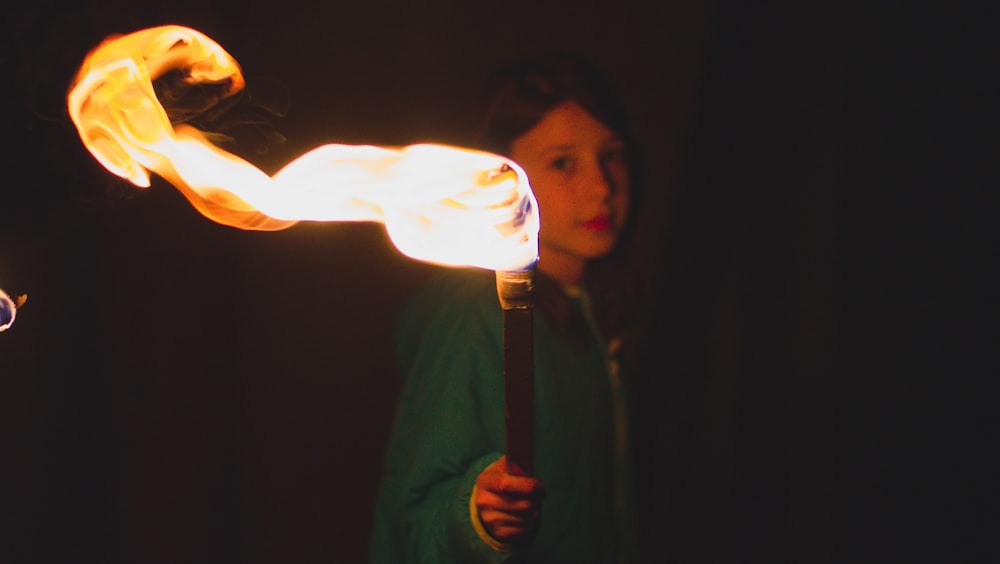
x: 563, y: 163
x: 614, y: 155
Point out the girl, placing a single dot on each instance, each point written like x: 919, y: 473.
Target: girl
x: 447, y: 494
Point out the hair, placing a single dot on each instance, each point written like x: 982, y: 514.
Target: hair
x: 516, y: 97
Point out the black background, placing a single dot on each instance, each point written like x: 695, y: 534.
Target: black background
x: 816, y: 223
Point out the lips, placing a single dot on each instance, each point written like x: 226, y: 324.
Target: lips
x: 598, y: 223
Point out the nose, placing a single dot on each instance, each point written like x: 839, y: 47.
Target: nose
x: 600, y: 182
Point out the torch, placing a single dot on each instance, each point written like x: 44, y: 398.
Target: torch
x: 446, y: 205
x: 516, y: 292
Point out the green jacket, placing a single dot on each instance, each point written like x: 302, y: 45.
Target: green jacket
x: 450, y: 425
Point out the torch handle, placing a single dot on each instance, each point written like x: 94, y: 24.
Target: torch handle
x: 519, y: 370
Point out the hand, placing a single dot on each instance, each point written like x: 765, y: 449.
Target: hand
x: 509, y: 505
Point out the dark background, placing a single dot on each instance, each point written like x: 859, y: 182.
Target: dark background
x: 816, y: 224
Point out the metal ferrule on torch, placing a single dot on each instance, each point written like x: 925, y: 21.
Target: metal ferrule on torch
x: 516, y: 292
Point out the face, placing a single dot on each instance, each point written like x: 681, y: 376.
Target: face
x: 580, y: 177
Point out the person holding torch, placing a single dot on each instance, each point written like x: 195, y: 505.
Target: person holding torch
x: 448, y: 493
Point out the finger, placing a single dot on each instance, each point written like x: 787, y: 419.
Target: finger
x: 506, y: 528
x: 522, y: 507
x: 502, y: 483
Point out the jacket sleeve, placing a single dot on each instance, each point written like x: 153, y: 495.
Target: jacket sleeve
x: 451, y: 419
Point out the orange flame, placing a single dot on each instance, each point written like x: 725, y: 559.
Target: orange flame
x: 441, y: 204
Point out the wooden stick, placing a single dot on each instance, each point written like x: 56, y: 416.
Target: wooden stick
x: 516, y: 293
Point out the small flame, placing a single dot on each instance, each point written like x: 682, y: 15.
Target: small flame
x: 440, y: 204
x: 8, y: 309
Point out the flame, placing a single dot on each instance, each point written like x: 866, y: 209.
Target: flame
x: 8, y: 309
x: 447, y: 205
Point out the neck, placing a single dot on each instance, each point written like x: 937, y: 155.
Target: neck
x: 567, y: 272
